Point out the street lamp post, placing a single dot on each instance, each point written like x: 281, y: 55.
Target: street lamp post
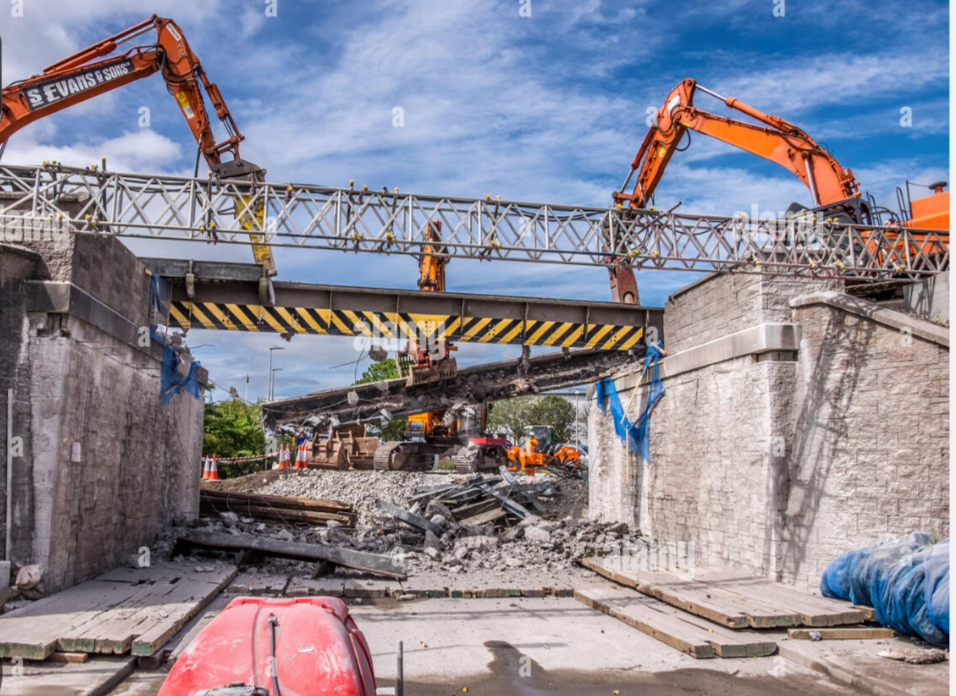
x: 270, y: 387
x: 274, y: 370
x: 577, y: 415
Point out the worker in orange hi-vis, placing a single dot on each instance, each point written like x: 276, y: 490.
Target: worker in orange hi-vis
x: 531, y: 445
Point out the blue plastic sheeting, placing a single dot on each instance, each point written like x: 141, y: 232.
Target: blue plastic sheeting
x: 636, y: 435
x: 906, y: 581
x: 171, y: 382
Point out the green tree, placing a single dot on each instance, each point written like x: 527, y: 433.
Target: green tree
x: 379, y: 372
x: 514, y: 415
x: 233, y: 429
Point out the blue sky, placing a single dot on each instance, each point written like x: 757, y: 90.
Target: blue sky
x: 548, y: 108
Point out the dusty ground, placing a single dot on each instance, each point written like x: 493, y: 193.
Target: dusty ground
x: 532, y: 647
x: 527, y: 646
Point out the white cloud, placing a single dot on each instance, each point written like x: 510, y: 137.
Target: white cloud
x: 143, y: 150
x: 251, y: 20
x: 50, y: 30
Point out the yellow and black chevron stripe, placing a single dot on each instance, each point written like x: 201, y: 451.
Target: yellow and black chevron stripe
x: 302, y: 320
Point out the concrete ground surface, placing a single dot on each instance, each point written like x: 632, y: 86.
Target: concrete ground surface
x: 550, y: 645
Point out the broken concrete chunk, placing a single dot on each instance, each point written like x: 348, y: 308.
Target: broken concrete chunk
x: 480, y: 543
x: 231, y: 519
x: 432, y: 541
x: 537, y: 534
x: 437, y: 508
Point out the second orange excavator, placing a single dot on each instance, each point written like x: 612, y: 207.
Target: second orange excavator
x: 834, y: 190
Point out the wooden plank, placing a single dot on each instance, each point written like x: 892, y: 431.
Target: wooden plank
x: 814, y: 610
x: 277, y: 501
x: 260, y: 512
x: 483, y: 517
x: 102, y: 614
x: 725, y: 642
x: 700, y: 606
x: 112, y: 631
x: 189, y: 602
x: 731, y: 598
x: 68, y: 657
x: 845, y: 633
x: 637, y: 613
x: 172, y: 594
x: 377, y: 564
x: 32, y: 631
x: 472, y: 509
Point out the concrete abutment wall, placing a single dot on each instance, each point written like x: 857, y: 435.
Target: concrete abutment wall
x: 788, y: 434
x: 104, y: 464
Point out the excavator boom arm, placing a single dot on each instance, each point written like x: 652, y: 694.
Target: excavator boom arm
x: 772, y: 138
x: 86, y: 74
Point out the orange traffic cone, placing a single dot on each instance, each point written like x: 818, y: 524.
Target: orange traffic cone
x: 205, y: 469
x: 300, y: 462
x: 283, y: 458
x: 213, y: 470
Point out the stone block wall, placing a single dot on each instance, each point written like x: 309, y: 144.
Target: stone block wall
x: 105, y: 464
x: 869, y: 441
x: 777, y: 462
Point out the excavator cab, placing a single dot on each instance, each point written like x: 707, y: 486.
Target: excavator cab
x: 542, y: 434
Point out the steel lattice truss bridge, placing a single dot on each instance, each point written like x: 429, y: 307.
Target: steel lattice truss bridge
x: 51, y: 199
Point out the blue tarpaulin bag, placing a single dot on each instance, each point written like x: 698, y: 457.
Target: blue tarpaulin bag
x: 906, y: 581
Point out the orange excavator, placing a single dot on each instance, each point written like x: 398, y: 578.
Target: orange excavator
x: 834, y: 190
x: 87, y: 74
x: 426, y: 359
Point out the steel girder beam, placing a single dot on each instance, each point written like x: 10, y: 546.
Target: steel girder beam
x: 219, y: 303
x: 359, y: 220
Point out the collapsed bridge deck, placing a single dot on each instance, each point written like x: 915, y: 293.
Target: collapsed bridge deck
x: 477, y: 384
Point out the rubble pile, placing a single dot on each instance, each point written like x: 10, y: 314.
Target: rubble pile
x: 552, y: 539
x: 439, y: 523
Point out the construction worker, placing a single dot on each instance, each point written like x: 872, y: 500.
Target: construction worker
x: 532, y: 444
x: 300, y: 438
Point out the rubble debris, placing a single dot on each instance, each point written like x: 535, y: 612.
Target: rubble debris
x: 274, y: 508
x: 451, y: 502
x: 375, y: 564
x: 914, y: 656
x: 408, y: 517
